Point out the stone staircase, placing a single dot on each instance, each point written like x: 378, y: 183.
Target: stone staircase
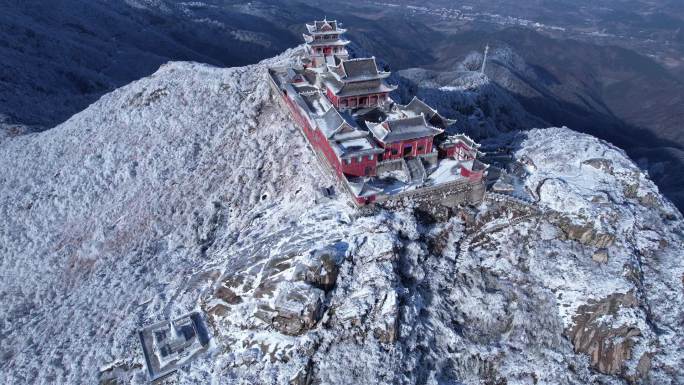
x: 472, y: 241
x: 416, y: 170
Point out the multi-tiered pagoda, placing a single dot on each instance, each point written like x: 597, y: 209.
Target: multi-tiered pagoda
x: 379, y: 149
x: 324, y: 43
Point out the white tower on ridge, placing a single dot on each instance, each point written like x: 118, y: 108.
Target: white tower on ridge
x: 484, y: 61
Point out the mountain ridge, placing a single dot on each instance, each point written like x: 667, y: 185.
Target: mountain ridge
x: 192, y: 190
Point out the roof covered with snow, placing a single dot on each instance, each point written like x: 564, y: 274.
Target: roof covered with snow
x: 391, y: 131
x: 362, y: 188
x: 360, y: 68
x: 326, y: 43
x: 459, y: 138
x: 325, y: 27
x: 332, y: 122
x: 342, y: 89
x: 417, y: 106
x: 358, y: 144
x: 356, y: 70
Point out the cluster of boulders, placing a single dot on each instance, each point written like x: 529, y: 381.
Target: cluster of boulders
x: 288, y: 293
x: 584, y: 233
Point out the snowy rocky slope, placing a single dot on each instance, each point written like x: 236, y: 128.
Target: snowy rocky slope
x: 58, y: 59
x: 192, y: 190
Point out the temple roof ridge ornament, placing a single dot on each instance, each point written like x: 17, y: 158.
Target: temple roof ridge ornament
x: 325, y: 26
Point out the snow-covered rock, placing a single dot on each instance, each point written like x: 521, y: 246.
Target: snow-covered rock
x: 192, y: 190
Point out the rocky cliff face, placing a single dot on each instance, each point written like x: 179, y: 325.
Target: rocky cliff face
x: 191, y: 189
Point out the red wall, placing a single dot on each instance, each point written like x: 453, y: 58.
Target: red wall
x: 399, y: 147
x: 333, y: 99
x: 364, y: 201
x: 447, y: 152
x: 356, y: 168
x: 320, y: 142
x: 379, y: 97
x: 472, y: 175
x: 315, y: 137
x: 452, y: 151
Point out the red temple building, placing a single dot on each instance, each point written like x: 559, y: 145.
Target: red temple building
x: 405, y: 137
x: 356, y: 83
x: 379, y: 149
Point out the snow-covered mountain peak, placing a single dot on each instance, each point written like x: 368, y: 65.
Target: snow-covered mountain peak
x: 191, y: 189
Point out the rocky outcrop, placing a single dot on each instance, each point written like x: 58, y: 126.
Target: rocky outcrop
x: 296, y: 309
x: 387, y: 324
x: 303, y: 376
x: 287, y: 293
x: 585, y: 234
x: 602, y: 164
x: 600, y: 256
x: 299, y: 303
x: 609, y: 345
x: 322, y: 271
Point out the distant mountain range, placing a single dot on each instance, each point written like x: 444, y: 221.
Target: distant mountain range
x: 609, y: 92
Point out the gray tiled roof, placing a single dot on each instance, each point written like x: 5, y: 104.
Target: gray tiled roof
x: 418, y: 107
x: 332, y: 120
x: 453, y: 139
x: 316, y: 27
x: 362, y: 88
x: 361, y: 188
x: 372, y: 115
x: 357, y: 88
x: 365, y: 67
x: 344, y: 136
x: 359, y: 146
x: 403, y: 129
x: 331, y: 23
